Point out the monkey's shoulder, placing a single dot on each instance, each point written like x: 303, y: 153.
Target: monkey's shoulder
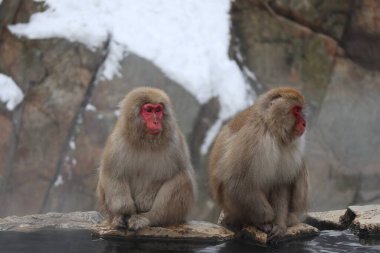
x: 236, y: 123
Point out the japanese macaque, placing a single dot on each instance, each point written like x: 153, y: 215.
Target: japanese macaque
x: 146, y: 177
x: 257, y: 170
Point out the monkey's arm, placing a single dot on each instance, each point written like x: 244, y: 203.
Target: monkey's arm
x: 299, y: 196
x: 279, y: 198
x: 172, y: 203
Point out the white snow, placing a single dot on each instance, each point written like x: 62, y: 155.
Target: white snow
x: 188, y: 40
x: 1, y: 1
x: 72, y: 144
x: 211, y: 134
x: 58, y: 181
x: 90, y: 107
x: 10, y: 93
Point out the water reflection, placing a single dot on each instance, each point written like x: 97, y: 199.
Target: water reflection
x: 81, y: 241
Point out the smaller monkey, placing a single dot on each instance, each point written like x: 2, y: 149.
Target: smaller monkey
x: 257, y: 171
x: 146, y: 177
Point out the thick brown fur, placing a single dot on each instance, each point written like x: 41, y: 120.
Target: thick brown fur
x: 145, y: 180
x: 256, y: 169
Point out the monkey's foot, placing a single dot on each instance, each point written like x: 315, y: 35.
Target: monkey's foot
x: 137, y: 222
x: 276, y: 233
x: 266, y: 227
x: 118, y: 222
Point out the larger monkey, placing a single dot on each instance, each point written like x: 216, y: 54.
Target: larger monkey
x: 257, y: 170
x: 145, y: 177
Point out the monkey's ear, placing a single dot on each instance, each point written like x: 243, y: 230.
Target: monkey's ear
x: 271, y: 100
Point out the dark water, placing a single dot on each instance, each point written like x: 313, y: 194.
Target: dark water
x: 81, y: 241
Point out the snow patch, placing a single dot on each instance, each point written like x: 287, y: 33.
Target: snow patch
x: 90, y: 107
x: 72, y: 145
x: 58, y: 181
x: 211, y: 134
x: 116, y: 113
x: 10, y: 93
x: 111, y: 65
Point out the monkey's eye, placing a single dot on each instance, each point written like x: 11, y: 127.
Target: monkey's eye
x: 149, y: 109
x: 297, y: 109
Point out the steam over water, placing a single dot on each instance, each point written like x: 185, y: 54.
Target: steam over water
x: 81, y: 241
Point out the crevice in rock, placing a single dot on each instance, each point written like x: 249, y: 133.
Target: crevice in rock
x: 71, y: 133
x: 357, y: 196
x: 237, y: 56
x: 207, y: 116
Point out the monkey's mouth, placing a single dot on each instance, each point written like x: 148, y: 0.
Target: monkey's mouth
x: 154, y: 131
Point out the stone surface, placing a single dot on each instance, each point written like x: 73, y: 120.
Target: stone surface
x: 362, y: 34
x: 329, y: 220
x: 191, y: 231
x: 298, y: 231
x: 29, y: 223
x: 343, y: 162
x: 365, y: 219
x: 329, y: 17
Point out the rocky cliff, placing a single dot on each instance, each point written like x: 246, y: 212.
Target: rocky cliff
x: 51, y: 143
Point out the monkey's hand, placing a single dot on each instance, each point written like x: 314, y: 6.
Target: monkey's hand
x: 118, y: 222
x: 137, y: 222
x: 276, y: 233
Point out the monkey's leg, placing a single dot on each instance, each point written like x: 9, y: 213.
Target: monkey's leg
x: 118, y: 201
x: 299, y: 197
x: 279, y: 198
x: 144, y: 200
x: 172, y: 202
x: 255, y: 204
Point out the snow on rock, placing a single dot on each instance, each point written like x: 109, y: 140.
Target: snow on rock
x: 90, y: 107
x: 10, y: 93
x: 58, y: 181
x: 188, y: 40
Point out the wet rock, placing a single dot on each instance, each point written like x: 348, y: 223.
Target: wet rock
x: 329, y: 220
x: 298, y: 231
x: 29, y: 223
x: 191, y: 231
x: 365, y: 220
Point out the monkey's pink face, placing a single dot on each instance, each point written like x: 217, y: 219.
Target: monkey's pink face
x: 300, y: 125
x: 152, y: 115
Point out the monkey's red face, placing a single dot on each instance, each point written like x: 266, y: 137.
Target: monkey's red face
x: 300, y: 125
x: 152, y: 115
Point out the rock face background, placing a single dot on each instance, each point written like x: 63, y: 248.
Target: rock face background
x: 51, y: 144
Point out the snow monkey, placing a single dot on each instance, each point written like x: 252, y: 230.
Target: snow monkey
x: 145, y: 176
x: 256, y: 169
